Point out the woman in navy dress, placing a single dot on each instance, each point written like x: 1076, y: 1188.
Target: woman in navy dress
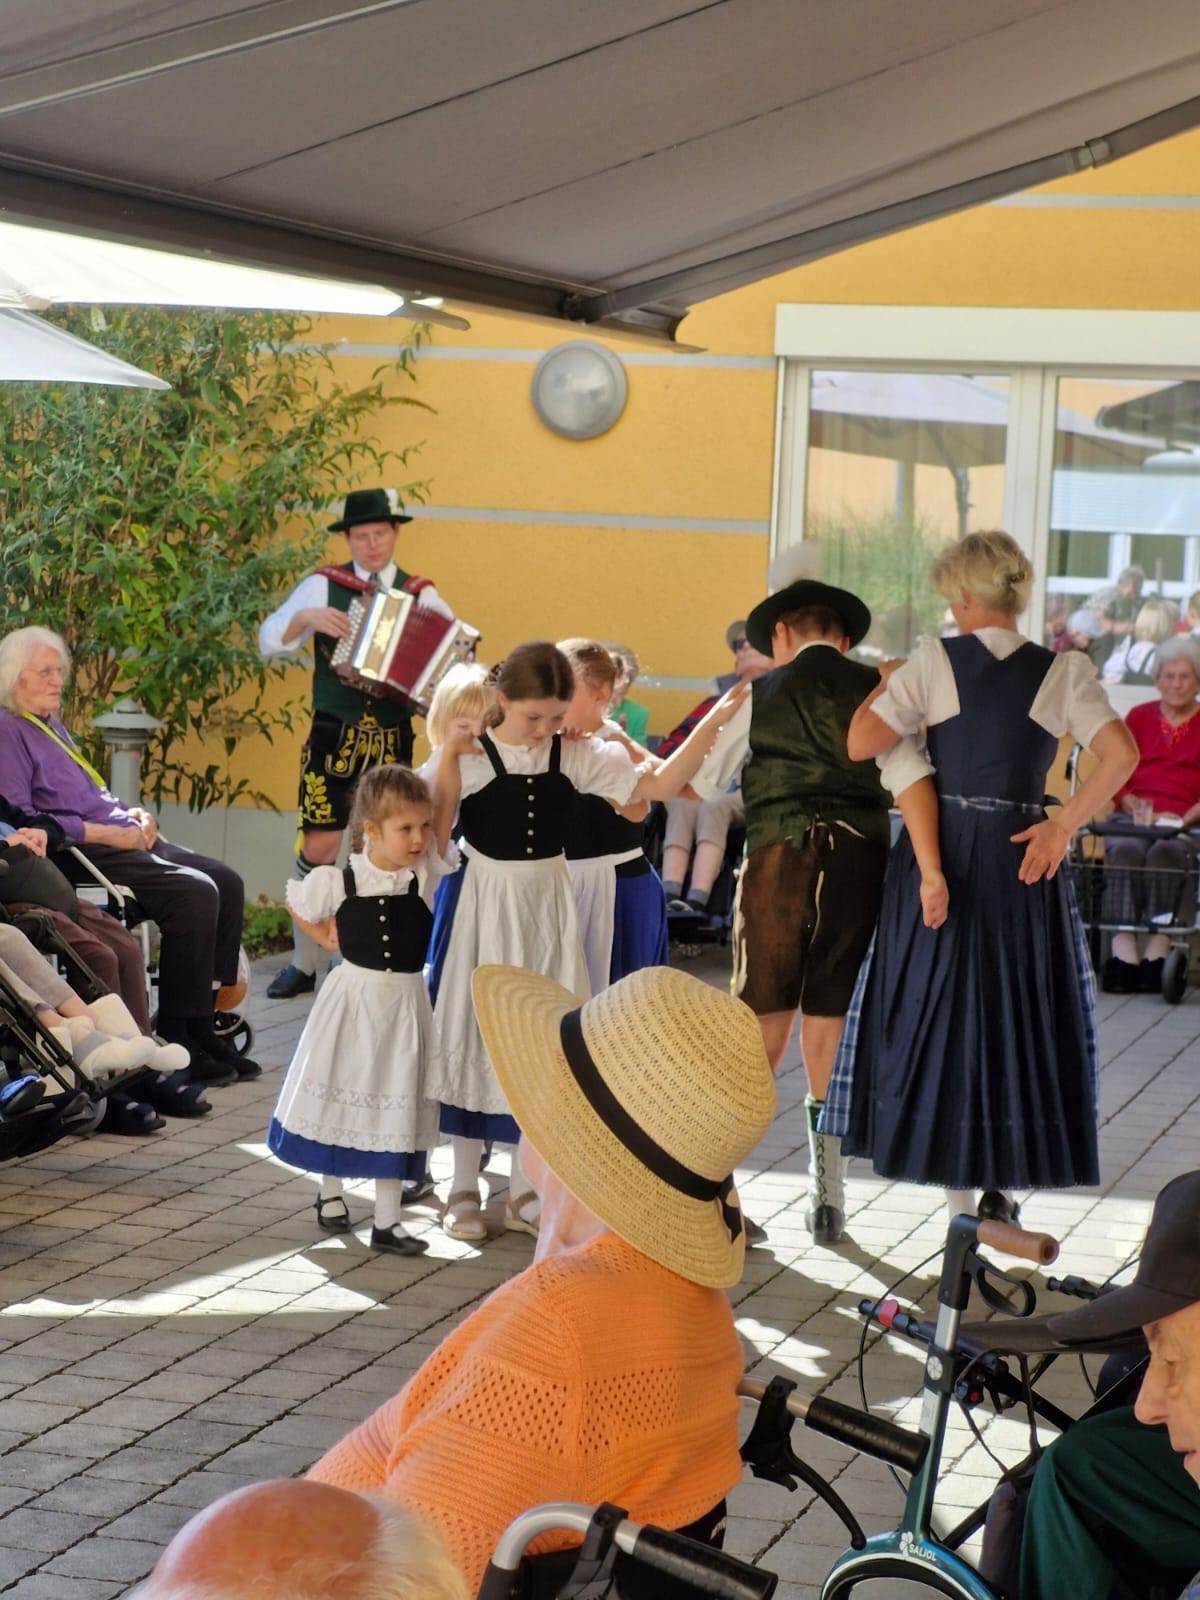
x: 973, y: 1059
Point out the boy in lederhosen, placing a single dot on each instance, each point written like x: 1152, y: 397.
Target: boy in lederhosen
x: 816, y: 844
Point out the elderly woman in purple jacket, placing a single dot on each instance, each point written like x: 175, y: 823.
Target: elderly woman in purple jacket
x: 196, y: 902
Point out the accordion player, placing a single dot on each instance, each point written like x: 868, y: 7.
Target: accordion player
x: 394, y: 648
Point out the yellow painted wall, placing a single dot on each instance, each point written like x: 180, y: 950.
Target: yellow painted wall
x: 696, y: 441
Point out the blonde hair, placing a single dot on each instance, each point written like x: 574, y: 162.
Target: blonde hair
x: 382, y: 792
x: 463, y: 692
x: 591, y: 663
x: 990, y: 566
x: 1156, y: 621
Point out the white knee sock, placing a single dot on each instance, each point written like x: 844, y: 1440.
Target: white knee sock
x: 519, y: 1186
x: 389, y: 1197
x: 466, y: 1164
x: 331, y: 1188
x: 959, y: 1201
x: 306, y: 952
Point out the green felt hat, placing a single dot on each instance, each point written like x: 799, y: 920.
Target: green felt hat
x: 366, y: 505
x: 855, y: 615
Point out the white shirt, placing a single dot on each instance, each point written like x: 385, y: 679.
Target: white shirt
x: 898, y: 768
x: 314, y: 591
x: 317, y: 897
x: 591, y: 765
x: 1070, y: 700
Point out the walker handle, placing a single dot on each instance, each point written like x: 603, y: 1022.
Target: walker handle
x: 701, y: 1568
x: 1014, y: 1241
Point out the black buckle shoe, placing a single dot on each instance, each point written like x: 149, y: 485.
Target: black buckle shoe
x: 397, y: 1244
x: 289, y: 983
x: 333, y: 1221
x: 414, y: 1190
x: 827, y: 1224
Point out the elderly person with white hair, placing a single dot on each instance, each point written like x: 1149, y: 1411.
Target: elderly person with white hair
x: 196, y: 902
x: 1164, y: 788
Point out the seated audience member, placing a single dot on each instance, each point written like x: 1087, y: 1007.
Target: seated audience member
x: 1083, y: 628
x: 34, y: 883
x: 628, y: 715
x: 703, y: 825
x: 1191, y: 618
x: 1114, y: 1511
x: 1165, y: 785
x: 300, y: 1540
x: 1133, y: 659
x: 196, y: 902
x: 607, y: 1370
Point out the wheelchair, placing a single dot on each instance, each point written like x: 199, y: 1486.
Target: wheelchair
x: 1087, y: 868
x: 691, y: 932
x: 93, y: 885
x: 965, y: 1364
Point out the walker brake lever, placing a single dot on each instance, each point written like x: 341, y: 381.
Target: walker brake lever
x: 981, y: 1270
x: 769, y: 1454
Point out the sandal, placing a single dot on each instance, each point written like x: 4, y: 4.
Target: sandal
x: 124, y: 1115
x: 333, y: 1221
x: 463, y: 1217
x: 173, y: 1094
x: 525, y: 1216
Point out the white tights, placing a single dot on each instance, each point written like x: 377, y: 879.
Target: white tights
x: 467, y: 1153
x: 389, y: 1197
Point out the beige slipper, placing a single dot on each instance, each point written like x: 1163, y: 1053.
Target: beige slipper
x: 463, y: 1217
x: 525, y: 1216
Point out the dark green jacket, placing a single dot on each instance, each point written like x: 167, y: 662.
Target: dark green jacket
x: 798, y: 768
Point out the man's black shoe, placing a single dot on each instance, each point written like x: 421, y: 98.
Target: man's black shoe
x: 289, y: 983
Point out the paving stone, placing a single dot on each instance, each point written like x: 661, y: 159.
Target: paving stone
x: 55, y: 1586
x: 42, y: 1529
x: 123, y: 1559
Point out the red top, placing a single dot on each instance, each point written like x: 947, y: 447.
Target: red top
x: 1168, y: 773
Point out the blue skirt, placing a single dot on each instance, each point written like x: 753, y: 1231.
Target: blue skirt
x: 339, y: 1161
x: 971, y: 1050
x: 454, y: 1122
x: 639, y: 925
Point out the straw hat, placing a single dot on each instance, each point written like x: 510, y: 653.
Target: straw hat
x: 642, y: 1101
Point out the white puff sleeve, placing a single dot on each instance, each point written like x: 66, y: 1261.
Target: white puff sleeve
x: 904, y: 704
x: 317, y: 897
x: 596, y: 767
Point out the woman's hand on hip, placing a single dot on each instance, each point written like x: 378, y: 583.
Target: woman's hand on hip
x: 935, y: 899
x: 1045, y: 846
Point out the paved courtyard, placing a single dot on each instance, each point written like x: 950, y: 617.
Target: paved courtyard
x: 173, y: 1325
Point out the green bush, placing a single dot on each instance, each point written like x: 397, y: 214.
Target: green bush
x: 266, y: 928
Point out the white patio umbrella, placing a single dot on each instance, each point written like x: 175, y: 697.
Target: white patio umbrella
x: 40, y: 268
x: 34, y: 351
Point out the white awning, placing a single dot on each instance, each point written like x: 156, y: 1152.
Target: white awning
x: 605, y: 163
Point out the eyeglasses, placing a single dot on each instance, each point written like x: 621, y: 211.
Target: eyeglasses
x: 738, y: 644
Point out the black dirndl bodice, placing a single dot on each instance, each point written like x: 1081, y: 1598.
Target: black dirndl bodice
x: 974, y: 1058
x: 383, y: 932
x: 520, y: 816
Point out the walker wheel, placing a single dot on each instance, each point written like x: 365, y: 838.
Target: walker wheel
x: 233, y: 1028
x: 1175, y: 976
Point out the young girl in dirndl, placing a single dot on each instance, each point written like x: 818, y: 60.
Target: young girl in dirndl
x: 618, y: 895
x: 355, y: 1103
x: 972, y: 1063
x: 513, y: 793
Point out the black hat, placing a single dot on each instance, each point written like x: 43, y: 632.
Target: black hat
x: 760, y: 624
x: 366, y: 505
x: 1168, y: 1280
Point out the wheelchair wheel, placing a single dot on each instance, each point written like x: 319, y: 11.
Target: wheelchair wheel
x: 1175, y: 976
x: 233, y: 1028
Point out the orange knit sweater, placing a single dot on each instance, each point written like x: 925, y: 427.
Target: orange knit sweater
x: 597, y: 1375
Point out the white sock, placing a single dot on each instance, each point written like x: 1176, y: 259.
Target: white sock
x: 331, y: 1188
x: 959, y: 1201
x: 389, y: 1195
x: 466, y: 1154
x: 1124, y: 947
x: 519, y: 1187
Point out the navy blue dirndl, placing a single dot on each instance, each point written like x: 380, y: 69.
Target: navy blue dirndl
x: 974, y: 1048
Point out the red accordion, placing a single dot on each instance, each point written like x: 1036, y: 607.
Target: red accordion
x: 395, y: 648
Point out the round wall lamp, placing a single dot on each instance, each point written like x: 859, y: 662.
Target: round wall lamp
x: 579, y: 389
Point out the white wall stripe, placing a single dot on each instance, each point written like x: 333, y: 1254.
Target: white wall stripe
x: 592, y: 519
x: 630, y: 358
x: 1101, y: 202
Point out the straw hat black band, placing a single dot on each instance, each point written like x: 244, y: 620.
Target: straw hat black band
x: 635, y: 1138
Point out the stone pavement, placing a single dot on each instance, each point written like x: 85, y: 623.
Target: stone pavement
x: 173, y: 1325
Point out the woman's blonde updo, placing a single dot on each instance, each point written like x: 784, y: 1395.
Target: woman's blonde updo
x: 991, y: 567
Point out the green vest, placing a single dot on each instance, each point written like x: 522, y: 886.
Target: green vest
x: 798, y: 768
x: 333, y: 695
